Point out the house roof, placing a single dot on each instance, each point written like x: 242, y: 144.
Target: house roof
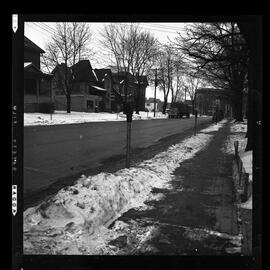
x: 30, y: 66
x: 98, y: 88
x: 151, y: 100
x: 28, y: 44
x: 30, y: 70
x: 82, y: 71
x: 102, y: 72
x: 61, y: 68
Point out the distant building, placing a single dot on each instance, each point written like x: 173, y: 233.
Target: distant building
x: 149, y: 104
x: 37, y: 84
x: 208, y: 99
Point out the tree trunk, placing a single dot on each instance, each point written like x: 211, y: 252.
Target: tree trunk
x: 164, y: 106
x: 68, y: 103
x: 193, y: 106
x: 238, y: 104
x: 137, y: 98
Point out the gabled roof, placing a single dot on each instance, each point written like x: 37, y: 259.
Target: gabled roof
x: 31, y: 70
x: 82, y: 71
x: 28, y: 44
x: 61, y: 68
x: 29, y: 66
x: 102, y: 72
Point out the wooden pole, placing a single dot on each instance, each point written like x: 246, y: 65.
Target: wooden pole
x: 195, y: 125
x: 51, y: 109
x: 128, y: 144
x: 155, y: 92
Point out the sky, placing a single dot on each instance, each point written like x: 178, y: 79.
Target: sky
x: 41, y: 32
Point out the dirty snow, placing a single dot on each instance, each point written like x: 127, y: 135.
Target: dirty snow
x: 62, y: 117
x: 246, y: 158
x: 237, y: 133
x: 247, y: 204
x: 66, y: 223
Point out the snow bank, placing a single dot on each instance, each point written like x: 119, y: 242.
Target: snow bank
x: 61, y: 117
x: 98, y: 200
x: 247, y: 204
x: 246, y: 158
x: 237, y: 133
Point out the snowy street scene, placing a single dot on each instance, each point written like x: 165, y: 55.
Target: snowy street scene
x: 141, y: 139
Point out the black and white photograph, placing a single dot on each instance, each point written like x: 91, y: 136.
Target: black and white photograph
x: 138, y: 137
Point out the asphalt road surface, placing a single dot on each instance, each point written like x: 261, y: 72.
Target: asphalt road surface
x: 53, y: 152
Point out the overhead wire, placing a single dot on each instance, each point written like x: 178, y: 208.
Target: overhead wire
x: 37, y: 29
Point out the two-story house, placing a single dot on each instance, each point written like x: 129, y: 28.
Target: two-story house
x: 135, y: 89
x: 87, y: 92
x: 37, y: 84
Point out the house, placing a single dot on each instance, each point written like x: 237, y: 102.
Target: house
x: 37, y: 84
x: 87, y: 90
x: 207, y: 99
x: 105, y: 81
x: 136, y: 87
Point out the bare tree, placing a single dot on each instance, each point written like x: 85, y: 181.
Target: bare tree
x: 132, y: 51
x: 165, y: 62
x: 178, y: 83
x: 219, y: 55
x: 192, y: 84
x: 143, y: 60
x: 69, y: 44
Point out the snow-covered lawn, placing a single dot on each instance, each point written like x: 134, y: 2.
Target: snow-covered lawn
x: 64, y: 223
x: 62, y: 117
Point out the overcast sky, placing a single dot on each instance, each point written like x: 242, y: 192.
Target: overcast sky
x: 41, y: 32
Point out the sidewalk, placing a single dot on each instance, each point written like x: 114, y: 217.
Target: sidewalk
x: 198, y: 216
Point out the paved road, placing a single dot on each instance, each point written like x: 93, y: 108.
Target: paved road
x: 52, y: 152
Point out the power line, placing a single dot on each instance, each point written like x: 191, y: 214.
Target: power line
x: 159, y: 30
x: 43, y: 28
x: 163, y: 26
x: 49, y: 27
x: 35, y: 28
x: 52, y: 31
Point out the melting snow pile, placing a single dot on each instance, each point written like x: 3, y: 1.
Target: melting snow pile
x: 63, y: 223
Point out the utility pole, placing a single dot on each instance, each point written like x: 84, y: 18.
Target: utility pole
x: 155, y: 92
x: 128, y: 112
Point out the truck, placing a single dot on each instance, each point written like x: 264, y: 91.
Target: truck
x: 178, y: 110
